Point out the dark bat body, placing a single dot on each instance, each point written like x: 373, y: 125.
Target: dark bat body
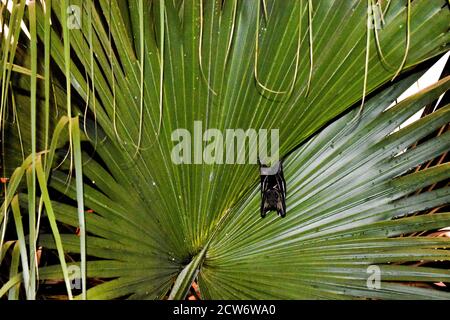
x: 273, y: 190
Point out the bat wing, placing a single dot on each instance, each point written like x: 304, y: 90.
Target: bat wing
x: 264, y: 203
x: 281, y: 205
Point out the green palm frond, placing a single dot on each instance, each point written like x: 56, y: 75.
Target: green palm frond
x: 345, y: 185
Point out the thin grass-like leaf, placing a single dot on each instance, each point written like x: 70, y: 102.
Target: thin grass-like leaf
x: 80, y: 201
x: 23, y: 249
x: 51, y: 216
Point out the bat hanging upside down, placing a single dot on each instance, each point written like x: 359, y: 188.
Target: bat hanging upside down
x: 273, y: 189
